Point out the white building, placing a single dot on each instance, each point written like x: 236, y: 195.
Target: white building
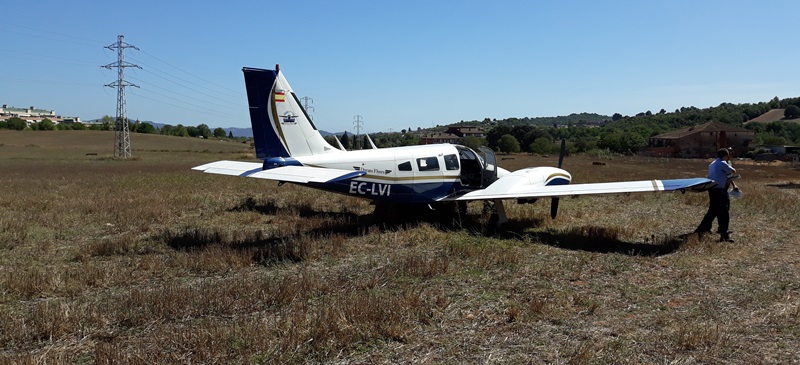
x: 32, y: 115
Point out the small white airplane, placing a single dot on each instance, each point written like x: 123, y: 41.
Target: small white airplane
x: 293, y: 150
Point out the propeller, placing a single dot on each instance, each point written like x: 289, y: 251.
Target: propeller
x: 554, y: 201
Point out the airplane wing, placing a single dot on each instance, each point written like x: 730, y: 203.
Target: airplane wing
x: 498, y: 191
x: 295, y: 174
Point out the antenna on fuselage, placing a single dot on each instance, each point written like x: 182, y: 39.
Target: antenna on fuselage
x: 370, y: 142
x: 339, y: 143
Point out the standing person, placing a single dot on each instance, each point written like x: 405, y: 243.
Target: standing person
x: 719, y: 203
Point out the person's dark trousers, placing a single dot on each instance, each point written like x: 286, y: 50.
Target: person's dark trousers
x: 718, y: 207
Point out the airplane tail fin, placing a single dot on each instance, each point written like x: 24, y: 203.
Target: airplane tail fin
x: 281, y: 127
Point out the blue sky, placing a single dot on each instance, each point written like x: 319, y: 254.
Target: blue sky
x: 400, y: 64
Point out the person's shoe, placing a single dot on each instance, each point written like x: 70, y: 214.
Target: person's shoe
x: 726, y: 238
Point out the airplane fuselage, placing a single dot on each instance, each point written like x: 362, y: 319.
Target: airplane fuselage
x: 411, y: 174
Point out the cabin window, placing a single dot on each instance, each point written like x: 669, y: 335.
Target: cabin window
x: 428, y: 164
x: 451, y: 162
x: 405, y: 166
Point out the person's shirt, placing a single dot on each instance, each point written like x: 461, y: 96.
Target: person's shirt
x: 719, y: 171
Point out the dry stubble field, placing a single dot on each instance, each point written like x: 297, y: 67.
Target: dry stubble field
x: 145, y: 261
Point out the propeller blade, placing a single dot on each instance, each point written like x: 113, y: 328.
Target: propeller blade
x: 554, y: 201
x: 554, y: 208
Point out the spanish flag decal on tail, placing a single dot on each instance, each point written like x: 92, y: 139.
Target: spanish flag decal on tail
x: 280, y: 96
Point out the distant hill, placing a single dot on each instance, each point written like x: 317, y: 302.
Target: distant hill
x: 773, y: 115
x: 239, y: 132
x: 572, y: 119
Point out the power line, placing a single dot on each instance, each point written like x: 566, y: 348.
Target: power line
x: 237, y: 92
x: 192, y: 107
x: 122, y: 135
x: 226, y: 98
x: 183, y: 95
x: 178, y: 83
x: 61, y: 36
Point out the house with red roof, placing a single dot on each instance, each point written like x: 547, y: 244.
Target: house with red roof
x: 701, y: 141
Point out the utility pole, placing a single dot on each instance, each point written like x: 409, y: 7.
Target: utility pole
x: 122, y: 135
x: 357, y: 124
x: 307, y: 107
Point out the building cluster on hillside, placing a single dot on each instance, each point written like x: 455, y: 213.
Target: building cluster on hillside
x: 701, y: 141
x: 32, y: 115
x: 453, y: 134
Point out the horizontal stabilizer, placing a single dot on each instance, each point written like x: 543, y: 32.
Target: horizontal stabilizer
x: 295, y: 174
x: 698, y: 184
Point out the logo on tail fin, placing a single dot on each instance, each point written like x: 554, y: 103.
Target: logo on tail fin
x: 289, y: 118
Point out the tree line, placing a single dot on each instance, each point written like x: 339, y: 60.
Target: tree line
x: 584, y: 132
x: 107, y: 123
x: 628, y: 134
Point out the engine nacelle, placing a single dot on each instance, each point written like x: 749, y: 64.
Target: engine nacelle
x: 530, y: 177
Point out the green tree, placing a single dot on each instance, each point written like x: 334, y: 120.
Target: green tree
x: 472, y: 142
x: 204, y: 131
x: 107, y: 123
x: 219, y: 133
x: 493, y: 136
x: 771, y: 139
x: 181, y: 131
x: 621, y: 142
x: 46, y: 125
x: 791, y: 112
x: 532, y: 135
x: 543, y: 145
x: 145, y: 128
x: 345, y: 141
x: 583, y: 144
x: 166, y: 130
x: 230, y: 134
x: 508, y: 144
x: 775, y: 103
x: 16, y: 123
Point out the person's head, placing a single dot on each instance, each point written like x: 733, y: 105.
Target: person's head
x: 723, y: 153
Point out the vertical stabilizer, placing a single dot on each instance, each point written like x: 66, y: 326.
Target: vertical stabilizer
x: 281, y: 127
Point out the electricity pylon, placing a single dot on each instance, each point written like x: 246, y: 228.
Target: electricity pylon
x: 122, y: 135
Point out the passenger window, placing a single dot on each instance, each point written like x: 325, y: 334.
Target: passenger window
x: 428, y: 164
x: 405, y: 166
x: 451, y: 162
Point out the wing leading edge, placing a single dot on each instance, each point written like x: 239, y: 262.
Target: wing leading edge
x: 294, y: 174
x: 696, y: 184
